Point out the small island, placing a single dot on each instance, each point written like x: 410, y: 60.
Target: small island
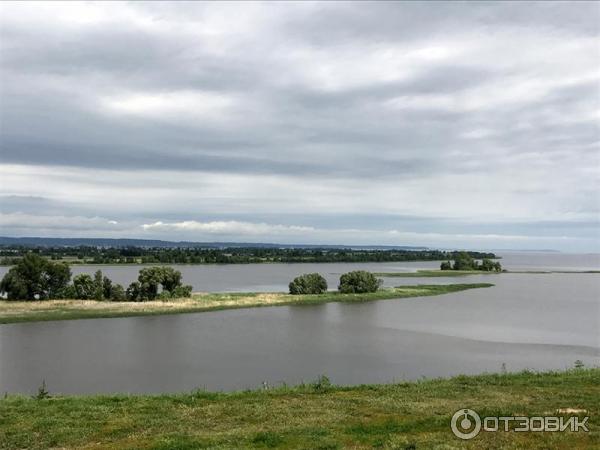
x: 464, y: 264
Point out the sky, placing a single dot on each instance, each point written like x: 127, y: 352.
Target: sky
x: 450, y: 125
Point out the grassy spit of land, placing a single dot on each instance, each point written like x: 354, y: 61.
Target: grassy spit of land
x: 313, y: 416
x: 34, y: 311
x: 434, y: 273
x: 424, y: 273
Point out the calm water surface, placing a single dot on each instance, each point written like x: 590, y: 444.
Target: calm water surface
x: 537, y: 321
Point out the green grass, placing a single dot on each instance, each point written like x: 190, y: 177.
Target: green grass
x: 314, y: 416
x: 33, y: 311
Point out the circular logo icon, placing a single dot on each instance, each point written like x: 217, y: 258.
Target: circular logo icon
x: 465, y: 424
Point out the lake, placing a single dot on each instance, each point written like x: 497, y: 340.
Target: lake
x: 535, y: 321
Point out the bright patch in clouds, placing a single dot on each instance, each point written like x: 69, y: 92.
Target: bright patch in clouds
x: 180, y: 105
x: 55, y: 225
x: 229, y: 227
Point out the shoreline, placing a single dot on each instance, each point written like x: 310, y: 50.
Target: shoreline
x: 76, y: 262
x: 426, y: 273
x: 49, y: 310
x: 314, y: 415
x: 254, y: 263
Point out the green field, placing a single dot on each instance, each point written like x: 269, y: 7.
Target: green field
x: 34, y: 311
x: 411, y: 415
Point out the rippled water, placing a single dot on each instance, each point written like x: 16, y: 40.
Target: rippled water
x: 537, y: 321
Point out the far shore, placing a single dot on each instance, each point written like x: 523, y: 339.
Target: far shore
x: 47, y: 310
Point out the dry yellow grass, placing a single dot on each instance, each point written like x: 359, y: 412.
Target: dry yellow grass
x: 26, y: 311
x: 8, y: 308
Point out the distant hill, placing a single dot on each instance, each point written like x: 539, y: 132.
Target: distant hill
x: 148, y: 243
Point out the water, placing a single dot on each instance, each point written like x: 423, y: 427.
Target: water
x: 246, y: 277
x: 536, y: 321
x: 275, y: 277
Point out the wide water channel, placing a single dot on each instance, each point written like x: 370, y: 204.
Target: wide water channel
x: 534, y: 321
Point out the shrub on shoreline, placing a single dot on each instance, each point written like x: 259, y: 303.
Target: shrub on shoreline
x: 37, y: 278
x: 149, y: 281
x: 359, y: 282
x: 309, y: 283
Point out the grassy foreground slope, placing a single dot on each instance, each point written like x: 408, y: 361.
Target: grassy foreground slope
x: 32, y: 311
x: 317, y: 416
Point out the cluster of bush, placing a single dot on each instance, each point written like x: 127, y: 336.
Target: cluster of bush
x: 37, y: 278
x: 464, y: 261
x: 356, y: 282
x: 149, y: 280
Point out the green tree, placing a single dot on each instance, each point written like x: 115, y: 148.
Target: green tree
x: 310, y: 283
x: 133, y: 292
x: 183, y: 291
x: 167, y: 278
x: 15, y: 286
x: 464, y: 261
x: 149, y: 279
x: 34, y: 277
x: 107, y: 288
x: 117, y: 293
x: 98, y: 286
x: 446, y: 265
x: 359, y: 281
x: 488, y: 265
x: 84, y: 287
x: 171, y: 279
x: 56, y: 279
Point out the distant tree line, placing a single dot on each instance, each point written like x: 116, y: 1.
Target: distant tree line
x: 243, y: 255
x: 37, y: 278
x: 465, y: 261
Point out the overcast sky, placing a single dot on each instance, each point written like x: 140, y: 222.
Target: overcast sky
x: 472, y: 125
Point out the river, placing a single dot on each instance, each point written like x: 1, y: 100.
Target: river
x: 526, y: 321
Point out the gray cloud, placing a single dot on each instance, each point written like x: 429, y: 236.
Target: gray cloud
x: 465, y: 116
x: 416, y: 20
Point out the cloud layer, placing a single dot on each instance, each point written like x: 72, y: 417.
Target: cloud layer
x: 453, y: 124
